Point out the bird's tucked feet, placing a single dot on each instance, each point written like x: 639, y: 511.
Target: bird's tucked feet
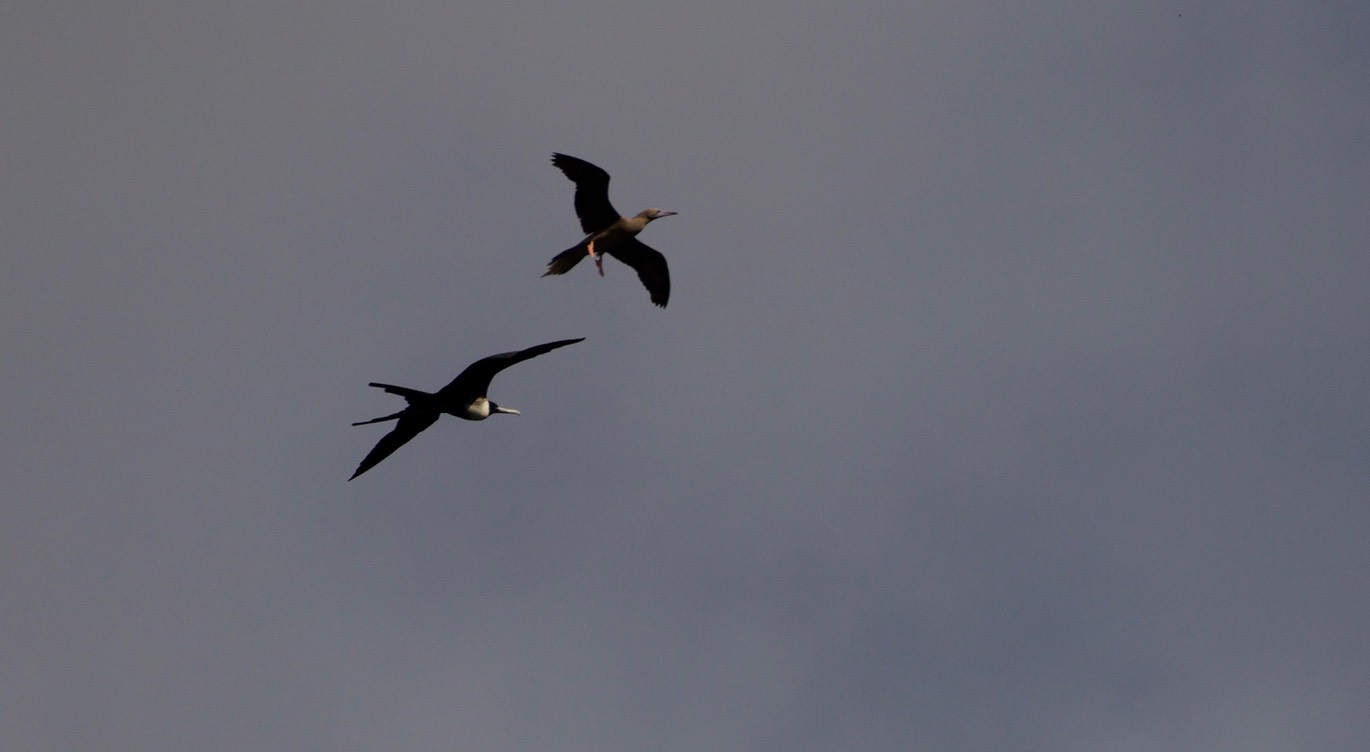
x: 599, y: 260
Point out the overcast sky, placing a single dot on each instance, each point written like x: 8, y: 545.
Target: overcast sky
x: 1013, y: 392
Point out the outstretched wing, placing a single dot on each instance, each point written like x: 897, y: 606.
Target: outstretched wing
x: 411, y: 424
x: 650, y: 266
x: 592, y: 192
x: 475, y: 380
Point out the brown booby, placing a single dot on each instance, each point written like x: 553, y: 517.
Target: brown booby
x: 608, y: 232
x: 464, y: 397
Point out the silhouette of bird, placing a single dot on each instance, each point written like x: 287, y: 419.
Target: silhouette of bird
x: 608, y: 232
x: 464, y: 397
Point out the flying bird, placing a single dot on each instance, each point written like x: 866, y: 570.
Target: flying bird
x: 608, y: 232
x: 464, y: 398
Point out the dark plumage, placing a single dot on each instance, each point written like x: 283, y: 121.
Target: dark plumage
x: 608, y: 232
x: 464, y: 397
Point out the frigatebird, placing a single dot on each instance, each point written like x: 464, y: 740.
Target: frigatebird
x: 464, y: 397
x: 609, y: 232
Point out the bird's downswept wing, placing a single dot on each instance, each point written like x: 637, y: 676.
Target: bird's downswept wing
x: 411, y: 423
x: 475, y: 380
x: 650, y: 266
x: 592, y: 192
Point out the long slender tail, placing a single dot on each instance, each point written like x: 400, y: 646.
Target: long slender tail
x: 403, y: 391
x: 396, y: 416
x: 411, y: 396
x: 563, y: 262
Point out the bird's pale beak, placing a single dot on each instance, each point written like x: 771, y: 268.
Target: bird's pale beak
x: 507, y: 411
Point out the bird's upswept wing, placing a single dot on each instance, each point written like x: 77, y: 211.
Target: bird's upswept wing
x: 592, y: 192
x: 412, y: 422
x: 650, y: 266
x: 475, y: 380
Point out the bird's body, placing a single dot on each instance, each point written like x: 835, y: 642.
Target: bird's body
x: 463, y: 398
x: 607, y: 232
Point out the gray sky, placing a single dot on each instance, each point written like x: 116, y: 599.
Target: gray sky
x: 1012, y: 393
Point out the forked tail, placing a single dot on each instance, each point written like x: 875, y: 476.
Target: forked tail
x: 396, y: 416
x: 410, y: 396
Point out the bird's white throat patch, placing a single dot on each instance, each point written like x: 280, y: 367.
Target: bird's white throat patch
x: 479, y: 409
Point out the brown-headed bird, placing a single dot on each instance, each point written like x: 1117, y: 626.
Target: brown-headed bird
x: 608, y: 232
